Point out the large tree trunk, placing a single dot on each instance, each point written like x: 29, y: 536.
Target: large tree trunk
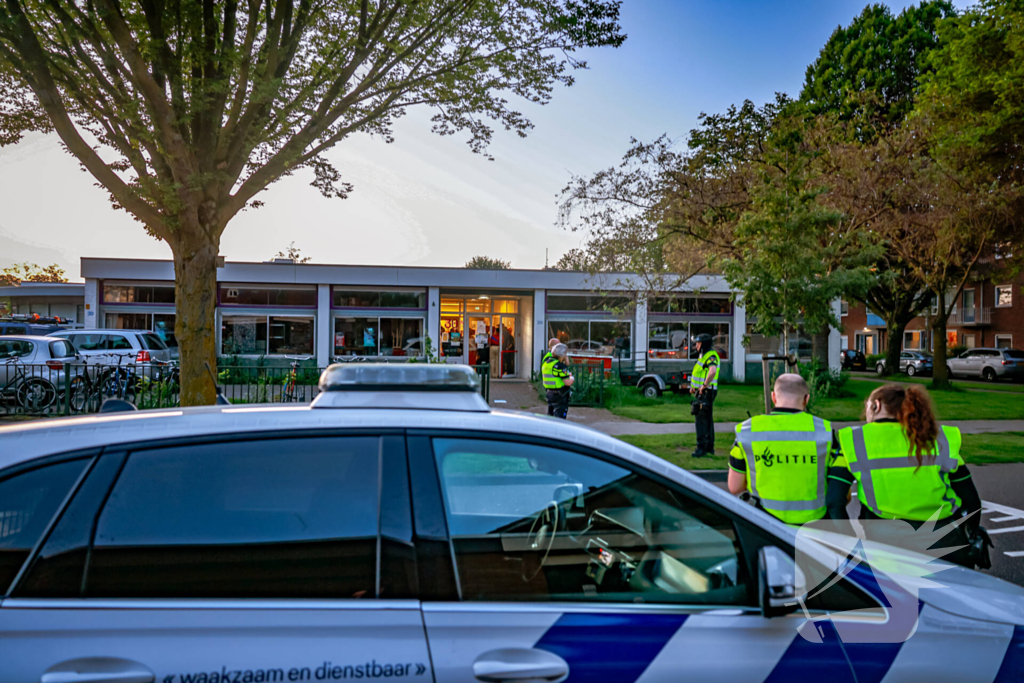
x: 894, y: 345
x: 195, y: 297
x: 819, y: 347
x: 940, y: 378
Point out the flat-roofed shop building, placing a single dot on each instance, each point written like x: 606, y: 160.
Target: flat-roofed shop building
x: 282, y: 308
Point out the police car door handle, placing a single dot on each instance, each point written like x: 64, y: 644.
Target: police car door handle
x: 522, y: 665
x: 98, y: 670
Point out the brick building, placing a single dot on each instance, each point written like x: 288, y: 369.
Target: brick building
x: 989, y: 312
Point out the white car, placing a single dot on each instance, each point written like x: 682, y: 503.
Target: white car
x: 398, y: 528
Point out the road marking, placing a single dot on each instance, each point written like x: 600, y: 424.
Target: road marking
x: 1005, y: 530
x: 1008, y: 518
x: 1014, y: 553
x: 1012, y: 513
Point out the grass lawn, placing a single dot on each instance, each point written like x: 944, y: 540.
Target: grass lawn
x: 957, y: 382
x: 1004, y: 447
x: 736, y: 400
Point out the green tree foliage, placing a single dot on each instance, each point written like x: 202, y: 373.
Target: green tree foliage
x: 975, y: 97
x: 186, y: 111
x: 876, y: 62
x: 487, y: 263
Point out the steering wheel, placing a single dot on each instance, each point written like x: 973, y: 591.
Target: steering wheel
x: 539, y: 541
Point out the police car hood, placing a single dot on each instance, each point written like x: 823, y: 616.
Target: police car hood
x: 940, y: 584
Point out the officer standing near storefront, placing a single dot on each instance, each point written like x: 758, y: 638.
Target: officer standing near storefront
x: 557, y: 380
x: 704, y: 387
x: 782, y: 459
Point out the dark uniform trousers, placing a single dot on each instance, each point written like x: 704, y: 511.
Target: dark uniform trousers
x: 558, y: 402
x: 705, y: 421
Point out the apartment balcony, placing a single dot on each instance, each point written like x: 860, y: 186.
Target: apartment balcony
x: 971, y: 317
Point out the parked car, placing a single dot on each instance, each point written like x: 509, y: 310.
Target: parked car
x: 386, y: 529
x: 33, y: 368
x: 852, y: 359
x: 110, y: 347
x: 988, y: 364
x: 911, y: 362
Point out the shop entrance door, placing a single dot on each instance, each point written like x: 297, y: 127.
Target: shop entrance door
x: 509, y: 347
x: 478, y: 340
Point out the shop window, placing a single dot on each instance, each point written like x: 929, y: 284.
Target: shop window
x: 593, y: 337
x: 344, y: 298
x: 243, y: 335
x: 719, y: 338
x: 128, y: 321
x: 138, y: 294
x: 452, y: 305
x: 292, y: 336
x: 668, y: 340
x: 1004, y: 296
x: 588, y: 303
x: 506, y: 306
x: 162, y: 324
x: 482, y: 305
x: 689, y: 305
x: 282, y: 297
x: 401, y: 337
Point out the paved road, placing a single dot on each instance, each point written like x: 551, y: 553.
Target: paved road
x: 1002, y: 492
x: 621, y: 427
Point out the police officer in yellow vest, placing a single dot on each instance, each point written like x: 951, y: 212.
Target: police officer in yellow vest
x: 704, y: 387
x: 557, y: 380
x: 782, y: 458
x: 905, y: 467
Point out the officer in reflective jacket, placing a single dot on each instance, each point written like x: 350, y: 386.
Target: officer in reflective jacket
x: 557, y: 380
x: 906, y: 467
x: 704, y: 387
x: 782, y: 458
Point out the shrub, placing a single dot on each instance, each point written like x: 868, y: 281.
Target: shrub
x: 954, y: 351
x: 824, y: 381
x: 874, y: 359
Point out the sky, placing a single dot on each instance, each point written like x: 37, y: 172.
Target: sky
x: 428, y: 200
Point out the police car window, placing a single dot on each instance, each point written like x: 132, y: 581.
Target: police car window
x: 27, y: 502
x: 530, y: 522
x: 270, y: 519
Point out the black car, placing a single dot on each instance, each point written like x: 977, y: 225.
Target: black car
x: 852, y: 359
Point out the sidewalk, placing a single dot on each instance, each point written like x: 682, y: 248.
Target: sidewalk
x: 620, y: 426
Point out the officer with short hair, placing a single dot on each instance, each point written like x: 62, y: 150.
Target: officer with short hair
x: 552, y: 343
x: 782, y: 458
x: 704, y: 387
x: 557, y: 380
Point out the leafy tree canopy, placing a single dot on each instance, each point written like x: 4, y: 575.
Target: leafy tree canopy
x: 12, y: 276
x: 487, y: 263
x: 877, y: 61
x: 185, y: 110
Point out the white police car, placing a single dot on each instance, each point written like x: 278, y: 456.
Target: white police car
x: 416, y: 535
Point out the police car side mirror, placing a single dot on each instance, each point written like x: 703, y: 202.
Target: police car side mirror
x: 779, y: 582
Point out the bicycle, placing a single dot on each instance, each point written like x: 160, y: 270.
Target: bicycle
x: 31, y: 392
x: 293, y: 374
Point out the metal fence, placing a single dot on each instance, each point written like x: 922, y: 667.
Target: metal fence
x: 588, y: 384
x: 50, y: 391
